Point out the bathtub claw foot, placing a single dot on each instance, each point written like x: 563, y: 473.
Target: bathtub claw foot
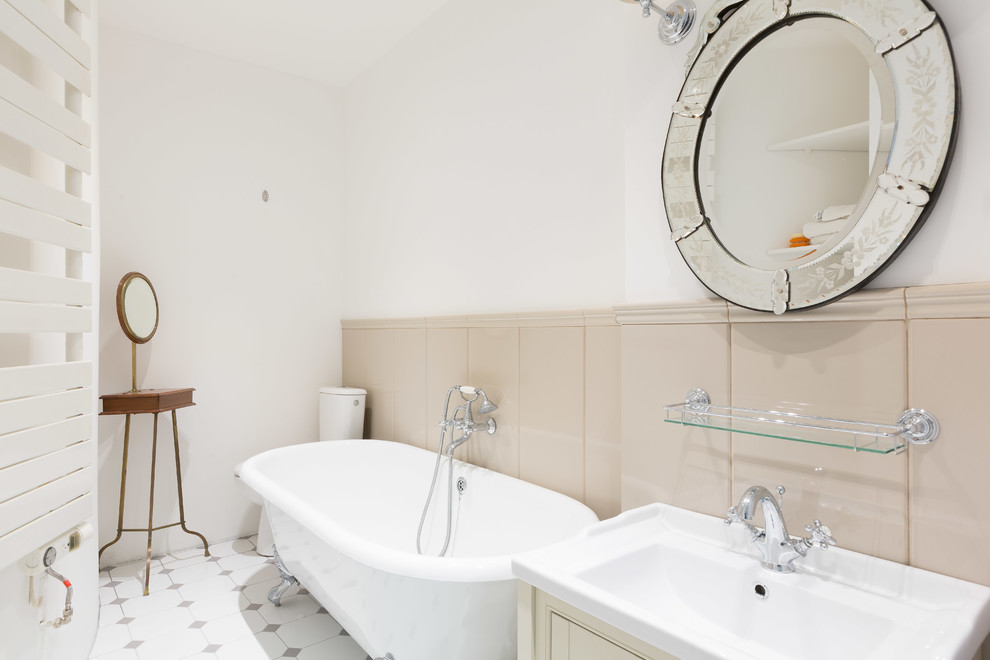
x: 275, y: 593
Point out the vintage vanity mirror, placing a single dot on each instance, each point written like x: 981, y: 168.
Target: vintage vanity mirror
x: 137, y: 311
x: 807, y: 145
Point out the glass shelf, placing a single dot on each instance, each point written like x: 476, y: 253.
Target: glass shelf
x: 914, y: 426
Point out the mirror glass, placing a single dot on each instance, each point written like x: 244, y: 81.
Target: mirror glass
x: 785, y: 159
x: 137, y: 307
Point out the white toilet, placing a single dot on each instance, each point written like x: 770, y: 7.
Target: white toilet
x: 341, y: 418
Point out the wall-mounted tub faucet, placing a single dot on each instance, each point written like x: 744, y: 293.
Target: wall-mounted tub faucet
x: 779, y: 550
x: 465, y: 422
x: 462, y: 420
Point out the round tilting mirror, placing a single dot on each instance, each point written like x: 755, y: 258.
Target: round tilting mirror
x: 807, y: 146
x: 137, y: 307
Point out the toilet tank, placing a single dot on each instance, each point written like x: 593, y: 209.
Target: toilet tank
x: 342, y: 413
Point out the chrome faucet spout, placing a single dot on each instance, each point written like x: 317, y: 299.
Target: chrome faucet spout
x: 775, y: 529
x: 778, y: 549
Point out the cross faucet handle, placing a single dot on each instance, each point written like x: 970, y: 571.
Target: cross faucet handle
x: 733, y: 516
x: 820, y: 535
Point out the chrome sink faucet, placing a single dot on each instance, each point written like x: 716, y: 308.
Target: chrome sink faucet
x: 779, y: 550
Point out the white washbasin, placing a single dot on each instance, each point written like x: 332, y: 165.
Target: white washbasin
x: 692, y: 586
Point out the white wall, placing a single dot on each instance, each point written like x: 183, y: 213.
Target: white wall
x: 520, y: 149
x: 250, y: 292
x: 484, y: 163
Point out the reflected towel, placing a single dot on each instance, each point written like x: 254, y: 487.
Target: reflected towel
x: 830, y: 213
x: 816, y: 229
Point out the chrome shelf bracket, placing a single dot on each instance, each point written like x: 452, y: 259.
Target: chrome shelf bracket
x: 920, y: 426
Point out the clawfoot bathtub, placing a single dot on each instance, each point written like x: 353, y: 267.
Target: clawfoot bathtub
x: 345, y: 516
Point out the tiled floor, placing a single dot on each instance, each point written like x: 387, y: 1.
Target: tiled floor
x: 213, y: 608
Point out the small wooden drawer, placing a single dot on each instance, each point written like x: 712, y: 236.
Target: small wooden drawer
x: 147, y: 401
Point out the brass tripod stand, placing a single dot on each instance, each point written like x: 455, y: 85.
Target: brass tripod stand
x: 150, y: 402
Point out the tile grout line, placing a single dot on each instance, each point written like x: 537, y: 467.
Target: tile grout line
x: 584, y: 413
x: 732, y: 436
x: 907, y: 401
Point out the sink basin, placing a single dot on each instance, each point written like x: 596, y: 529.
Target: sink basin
x: 693, y: 587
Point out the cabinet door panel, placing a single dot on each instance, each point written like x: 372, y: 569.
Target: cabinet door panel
x: 569, y: 641
x: 560, y: 629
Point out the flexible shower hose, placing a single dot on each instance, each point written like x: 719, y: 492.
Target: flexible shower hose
x: 433, y: 483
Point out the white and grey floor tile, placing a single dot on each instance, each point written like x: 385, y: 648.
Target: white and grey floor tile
x: 213, y: 608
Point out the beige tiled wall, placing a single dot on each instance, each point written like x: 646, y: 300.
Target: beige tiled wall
x: 603, y: 418
x: 446, y: 365
x: 380, y: 377
x: 661, y: 462
x: 555, y: 379
x: 409, y: 402
x: 551, y: 402
x: 949, y: 374
x: 849, y: 369
x: 581, y: 408
x: 493, y: 365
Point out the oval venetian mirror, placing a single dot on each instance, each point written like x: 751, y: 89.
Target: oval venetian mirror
x: 807, y: 145
x: 137, y: 308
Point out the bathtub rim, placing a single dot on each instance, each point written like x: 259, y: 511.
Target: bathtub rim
x: 490, y: 568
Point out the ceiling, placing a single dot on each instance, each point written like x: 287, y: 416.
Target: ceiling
x: 332, y: 41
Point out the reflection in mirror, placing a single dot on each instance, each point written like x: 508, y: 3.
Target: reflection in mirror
x: 140, y: 307
x: 785, y: 159
x: 137, y: 307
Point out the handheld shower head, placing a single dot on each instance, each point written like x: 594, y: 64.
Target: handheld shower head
x: 486, y: 405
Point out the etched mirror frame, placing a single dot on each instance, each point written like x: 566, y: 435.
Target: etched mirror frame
x: 913, y: 43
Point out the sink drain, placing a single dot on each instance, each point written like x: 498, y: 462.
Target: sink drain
x: 760, y: 591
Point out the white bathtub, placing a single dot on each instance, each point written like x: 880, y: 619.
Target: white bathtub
x: 345, y: 514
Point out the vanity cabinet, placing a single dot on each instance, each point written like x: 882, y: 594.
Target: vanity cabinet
x: 550, y: 629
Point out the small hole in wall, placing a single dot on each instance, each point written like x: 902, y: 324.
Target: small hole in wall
x: 264, y: 195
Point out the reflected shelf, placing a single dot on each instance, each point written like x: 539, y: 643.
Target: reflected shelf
x: 914, y: 426
x: 853, y: 137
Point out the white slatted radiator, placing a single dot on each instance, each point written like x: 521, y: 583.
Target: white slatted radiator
x: 47, y: 424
